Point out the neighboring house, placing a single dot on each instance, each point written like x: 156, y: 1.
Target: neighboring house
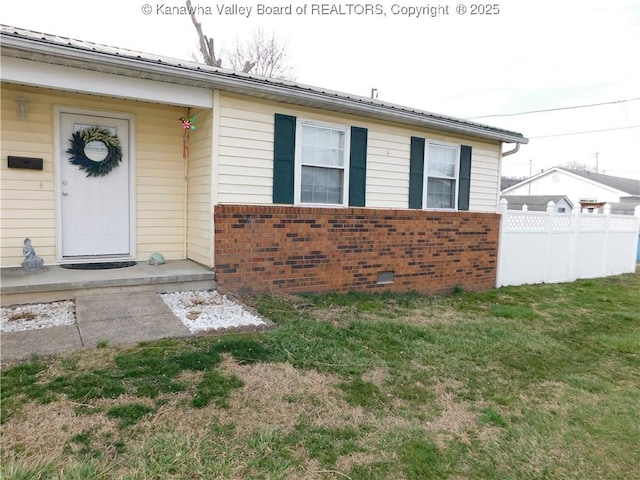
x: 280, y: 186
x: 506, y: 182
x: 589, y: 189
x: 626, y: 206
x: 538, y: 203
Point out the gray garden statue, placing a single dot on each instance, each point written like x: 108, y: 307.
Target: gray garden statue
x: 32, y: 262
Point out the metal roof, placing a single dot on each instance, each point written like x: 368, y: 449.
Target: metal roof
x: 534, y: 202
x: 57, y: 50
x: 630, y: 186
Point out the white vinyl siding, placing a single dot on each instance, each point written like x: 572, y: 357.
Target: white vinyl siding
x: 160, y: 185
x: 245, y: 152
x: 246, y: 155
x: 387, y: 169
x: 485, y: 169
x: 29, y: 196
x: 199, y: 213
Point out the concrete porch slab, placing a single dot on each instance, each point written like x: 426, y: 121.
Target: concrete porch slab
x: 57, y: 283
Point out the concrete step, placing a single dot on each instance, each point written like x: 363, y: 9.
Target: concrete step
x: 56, y: 283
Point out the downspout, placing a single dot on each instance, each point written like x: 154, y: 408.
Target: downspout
x: 185, y: 157
x: 185, y: 240
x: 511, y: 152
x: 506, y: 154
x: 502, y: 155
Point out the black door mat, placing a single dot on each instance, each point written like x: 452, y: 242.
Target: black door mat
x: 98, y: 265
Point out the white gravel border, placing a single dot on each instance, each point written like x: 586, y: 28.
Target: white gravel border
x: 18, y: 318
x: 199, y: 311
x: 208, y: 310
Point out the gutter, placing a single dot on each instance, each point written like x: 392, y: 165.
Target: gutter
x: 204, y: 76
x: 511, y: 152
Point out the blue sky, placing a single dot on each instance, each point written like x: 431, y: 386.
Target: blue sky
x: 532, y: 55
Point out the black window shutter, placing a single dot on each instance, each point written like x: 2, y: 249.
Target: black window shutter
x: 284, y: 152
x: 464, y: 178
x: 416, y: 172
x: 358, y: 167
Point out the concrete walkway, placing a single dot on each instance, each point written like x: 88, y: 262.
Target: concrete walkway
x: 119, y: 318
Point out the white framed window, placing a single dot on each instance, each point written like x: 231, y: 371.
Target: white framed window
x: 322, y: 164
x: 441, y: 179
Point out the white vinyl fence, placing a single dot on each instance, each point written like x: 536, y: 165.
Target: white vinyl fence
x: 549, y: 247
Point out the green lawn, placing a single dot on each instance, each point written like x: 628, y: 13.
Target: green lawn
x: 533, y: 382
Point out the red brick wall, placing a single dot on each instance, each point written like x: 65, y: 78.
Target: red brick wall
x: 295, y: 250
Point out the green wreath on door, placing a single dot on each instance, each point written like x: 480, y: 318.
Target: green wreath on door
x: 79, y: 141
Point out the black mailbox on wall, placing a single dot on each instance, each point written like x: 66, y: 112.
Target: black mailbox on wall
x: 25, y: 162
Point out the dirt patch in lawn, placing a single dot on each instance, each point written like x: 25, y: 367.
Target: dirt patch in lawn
x: 51, y: 431
x: 277, y: 395
x: 456, y: 418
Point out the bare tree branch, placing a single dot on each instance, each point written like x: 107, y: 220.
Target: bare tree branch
x: 206, y: 44
x: 263, y: 55
x: 574, y: 165
x: 248, y: 66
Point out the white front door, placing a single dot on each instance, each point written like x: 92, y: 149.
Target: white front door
x: 95, y: 210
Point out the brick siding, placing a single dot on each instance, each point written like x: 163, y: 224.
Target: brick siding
x: 295, y: 250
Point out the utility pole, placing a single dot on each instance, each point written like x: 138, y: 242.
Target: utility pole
x: 530, y: 173
x: 596, y: 155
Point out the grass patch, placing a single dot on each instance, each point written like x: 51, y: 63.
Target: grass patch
x: 88, y: 386
x: 82, y: 445
x: 130, y: 414
x: 215, y: 385
x: 491, y: 416
x: 422, y: 459
x: 327, y: 445
x: 365, y: 394
x: 523, y: 382
x: 386, y: 302
x: 52, y: 470
x: 517, y: 312
x: 623, y: 343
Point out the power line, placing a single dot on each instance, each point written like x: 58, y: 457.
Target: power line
x: 586, y: 131
x: 555, y: 109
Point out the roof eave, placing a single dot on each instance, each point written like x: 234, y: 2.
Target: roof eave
x: 243, y: 84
